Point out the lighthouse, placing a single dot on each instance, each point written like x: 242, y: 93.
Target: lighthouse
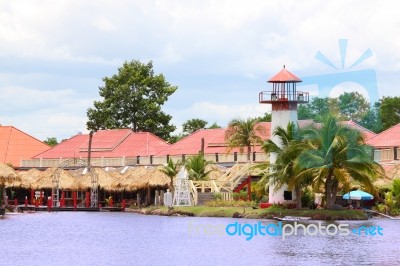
x: 284, y: 99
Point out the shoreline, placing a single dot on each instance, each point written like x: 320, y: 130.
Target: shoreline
x: 250, y: 213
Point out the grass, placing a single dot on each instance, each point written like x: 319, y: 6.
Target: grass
x: 248, y: 212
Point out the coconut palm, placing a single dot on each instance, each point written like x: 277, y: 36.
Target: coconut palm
x: 337, y: 155
x: 171, y: 170
x: 285, y: 170
x: 196, y: 167
x: 243, y: 133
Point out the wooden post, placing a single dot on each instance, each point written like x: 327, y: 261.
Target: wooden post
x: 15, y: 202
x: 148, y: 198
x: 41, y: 198
x: 74, y: 199
x: 111, y: 202
x: 49, y: 204
x: 62, y: 202
x: 123, y: 205
x: 32, y: 196
x: 138, y: 200
x: 162, y: 197
x: 87, y: 199
x: 157, y: 199
x: 249, y: 188
x: 26, y: 202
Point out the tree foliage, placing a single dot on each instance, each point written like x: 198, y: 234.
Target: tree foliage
x: 51, y: 141
x: 337, y: 156
x: 243, y: 133
x: 133, y: 98
x: 390, y: 111
x: 171, y: 170
x: 196, y: 167
x: 193, y: 125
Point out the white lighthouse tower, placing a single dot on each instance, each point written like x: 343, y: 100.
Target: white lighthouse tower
x: 284, y: 98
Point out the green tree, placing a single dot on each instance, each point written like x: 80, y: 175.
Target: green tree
x: 267, y: 117
x: 214, y: 125
x: 196, y: 167
x: 390, y: 111
x: 243, y: 133
x: 51, y: 141
x: 171, y: 170
x: 353, y: 106
x: 372, y: 120
x: 317, y: 108
x: 133, y: 98
x: 193, y: 125
x: 337, y: 155
x: 285, y: 170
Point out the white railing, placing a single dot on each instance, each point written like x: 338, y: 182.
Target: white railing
x: 145, y: 160
x: 194, y: 192
x: 214, y: 187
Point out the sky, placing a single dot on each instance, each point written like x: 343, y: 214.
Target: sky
x: 220, y: 54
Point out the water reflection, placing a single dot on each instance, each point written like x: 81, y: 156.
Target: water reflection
x: 68, y: 238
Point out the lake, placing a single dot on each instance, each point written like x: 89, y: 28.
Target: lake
x: 101, y: 238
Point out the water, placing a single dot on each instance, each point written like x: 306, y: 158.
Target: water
x: 97, y: 238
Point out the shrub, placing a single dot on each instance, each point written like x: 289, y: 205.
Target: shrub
x: 221, y: 203
x: 243, y: 195
x: 217, y: 196
x: 264, y: 199
x: 235, y: 196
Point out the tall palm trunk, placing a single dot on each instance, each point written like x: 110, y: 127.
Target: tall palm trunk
x: 330, y: 192
x: 297, y: 191
x: 248, y: 153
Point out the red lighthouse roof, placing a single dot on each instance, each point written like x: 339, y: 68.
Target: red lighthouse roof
x: 284, y: 76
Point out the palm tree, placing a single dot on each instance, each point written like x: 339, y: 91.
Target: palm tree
x: 171, y: 170
x: 196, y: 167
x: 243, y: 133
x: 337, y: 155
x: 285, y: 170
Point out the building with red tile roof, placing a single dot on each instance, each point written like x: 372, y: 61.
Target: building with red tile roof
x: 16, y: 145
x: 386, y: 139
x: 115, y: 143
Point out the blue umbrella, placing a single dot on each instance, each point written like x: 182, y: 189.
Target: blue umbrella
x: 358, y: 195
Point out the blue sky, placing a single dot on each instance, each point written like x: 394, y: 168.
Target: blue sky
x: 220, y: 54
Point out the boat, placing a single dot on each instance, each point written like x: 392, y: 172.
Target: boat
x: 292, y: 218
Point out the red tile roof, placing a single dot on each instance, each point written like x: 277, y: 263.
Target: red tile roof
x: 16, y: 145
x: 214, y: 142
x: 365, y: 132
x: 284, y: 76
x: 214, y: 139
x: 108, y: 144
x: 388, y: 138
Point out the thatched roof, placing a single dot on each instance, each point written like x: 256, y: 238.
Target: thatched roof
x: 130, y: 179
x: 105, y: 179
x: 158, y: 178
x: 45, y: 180
x: 27, y: 178
x: 7, y: 174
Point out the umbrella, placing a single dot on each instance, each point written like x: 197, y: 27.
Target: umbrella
x: 358, y: 195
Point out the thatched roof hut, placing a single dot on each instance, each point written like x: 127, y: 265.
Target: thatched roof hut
x: 158, y: 178
x: 105, y: 179
x: 130, y: 179
x: 27, y: 178
x: 7, y: 175
x: 45, y: 180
